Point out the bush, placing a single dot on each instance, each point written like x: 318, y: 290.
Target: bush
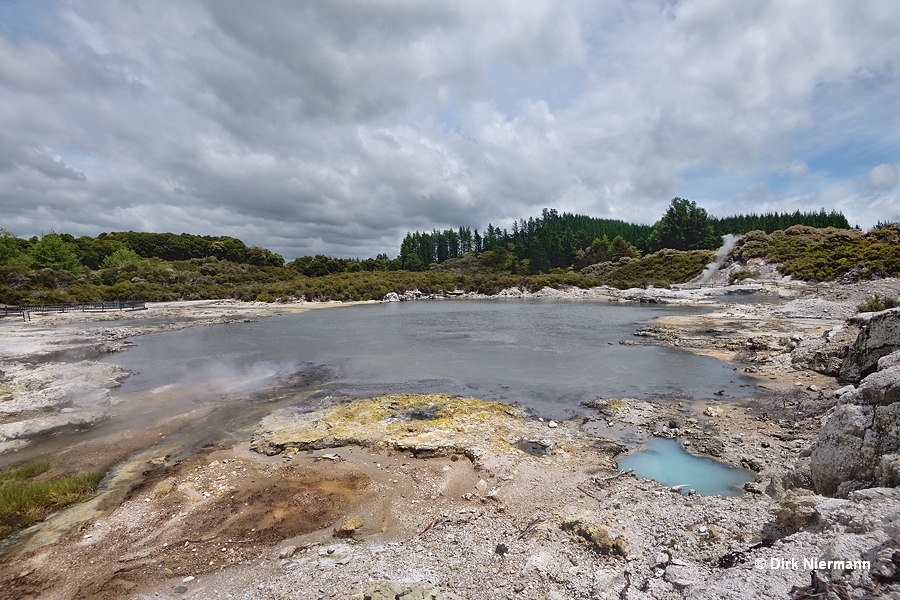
x: 52, y: 252
x: 660, y: 269
x: 741, y: 275
x: 827, y: 254
x: 876, y: 304
x: 123, y: 257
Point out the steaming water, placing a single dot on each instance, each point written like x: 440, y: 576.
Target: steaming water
x: 218, y: 381
x: 666, y: 461
x: 547, y: 355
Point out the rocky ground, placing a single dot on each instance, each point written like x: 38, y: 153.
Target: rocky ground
x: 418, y: 497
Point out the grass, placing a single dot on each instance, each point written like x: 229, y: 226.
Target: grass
x: 26, y: 471
x: 26, y: 499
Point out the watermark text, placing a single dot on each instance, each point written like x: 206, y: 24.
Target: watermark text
x: 779, y: 563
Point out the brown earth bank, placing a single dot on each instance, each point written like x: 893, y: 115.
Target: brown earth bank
x: 437, y: 497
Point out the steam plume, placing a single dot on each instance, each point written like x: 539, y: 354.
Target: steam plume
x: 728, y: 242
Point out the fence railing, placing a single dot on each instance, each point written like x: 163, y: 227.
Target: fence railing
x: 791, y: 285
x: 26, y: 309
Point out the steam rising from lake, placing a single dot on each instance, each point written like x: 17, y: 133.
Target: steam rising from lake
x: 546, y: 355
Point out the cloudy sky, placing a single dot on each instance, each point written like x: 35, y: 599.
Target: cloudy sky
x: 336, y: 126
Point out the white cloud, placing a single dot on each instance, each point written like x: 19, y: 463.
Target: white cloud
x: 883, y: 177
x: 795, y: 169
x: 338, y: 126
x: 757, y: 194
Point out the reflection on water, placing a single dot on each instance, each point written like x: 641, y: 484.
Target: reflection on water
x: 547, y: 355
x: 667, y: 462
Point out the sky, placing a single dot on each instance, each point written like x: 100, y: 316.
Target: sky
x: 338, y: 126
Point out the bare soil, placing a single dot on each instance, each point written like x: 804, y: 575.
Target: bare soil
x: 216, y: 510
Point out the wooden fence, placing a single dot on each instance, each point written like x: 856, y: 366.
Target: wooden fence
x: 25, y: 310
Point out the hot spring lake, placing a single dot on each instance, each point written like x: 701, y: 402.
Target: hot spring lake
x: 548, y: 355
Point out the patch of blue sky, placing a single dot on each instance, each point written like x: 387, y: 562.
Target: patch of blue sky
x: 22, y: 20
x: 857, y: 128
x: 725, y: 193
x: 77, y: 158
x: 852, y: 159
x: 557, y: 86
x: 448, y: 116
x: 718, y: 192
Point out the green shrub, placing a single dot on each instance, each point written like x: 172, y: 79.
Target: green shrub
x: 660, y: 269
x: 741, y: 275
x: 876, y: 303
x: 123, y: 257
x: 826, y: 254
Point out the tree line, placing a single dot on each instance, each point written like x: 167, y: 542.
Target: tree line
x: 773, y: 221
x: 563, y: 240
x: 107, y: 250
x: 537, y: 245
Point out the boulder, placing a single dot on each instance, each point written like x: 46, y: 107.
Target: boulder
x: 595, y: 536
x: 795, y: 511
x: 512, y: 292
x: 389, y: 590
x: 682, y: 577
x: 891, y: 360
x: 847, y: 389
x: 879, y: 336
x: 837, y: 454
x: 859, y: 442
x: 794, y: 476
x: 824, y: 354
x: 888, y: 470
x: 881, y: 388
x: 349, y: 526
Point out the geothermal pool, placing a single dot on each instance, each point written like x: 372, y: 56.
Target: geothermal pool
x: 546, y: 355
x: 667, y: 462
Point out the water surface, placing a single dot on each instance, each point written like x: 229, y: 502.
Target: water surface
x: 547, y: 355
x: 667, y: 462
